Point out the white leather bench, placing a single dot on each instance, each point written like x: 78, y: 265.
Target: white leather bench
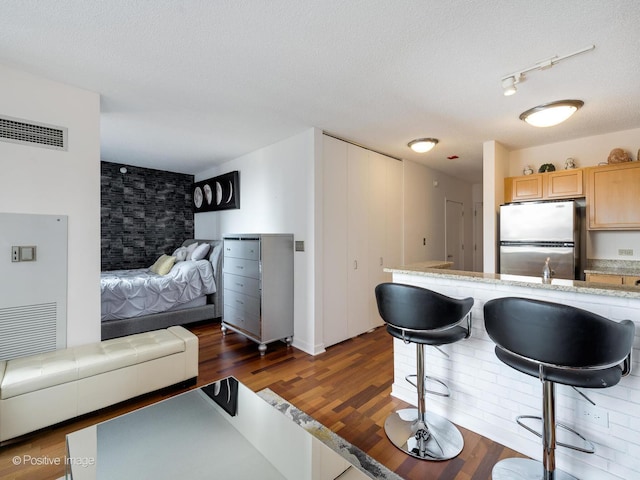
x: 41, y: 390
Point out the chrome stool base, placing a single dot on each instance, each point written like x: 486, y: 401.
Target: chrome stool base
x: 525, y: 469
x: 442, y: 440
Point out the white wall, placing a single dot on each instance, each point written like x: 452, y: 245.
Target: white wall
x: 495, y: 164
x: 44, y: 181
x: 424, y: 209
x: 587, y: 152
x: 277, y: 189
x: 280, y: 191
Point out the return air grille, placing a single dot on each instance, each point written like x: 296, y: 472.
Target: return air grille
x: 27, y: 330
x: 35, y: 134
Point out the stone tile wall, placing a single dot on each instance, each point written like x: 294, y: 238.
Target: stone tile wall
x: 144, y: 213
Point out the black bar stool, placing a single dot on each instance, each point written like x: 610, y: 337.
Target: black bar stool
x: 558, y: 344
x: 420, y: 316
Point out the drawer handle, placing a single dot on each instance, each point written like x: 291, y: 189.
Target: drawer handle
x: 240, y: 267
x: 240, y: 284
x: 240, y: 302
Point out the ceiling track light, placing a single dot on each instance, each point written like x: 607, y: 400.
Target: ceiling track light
x: 510, y: 81
x: 551, y: 114
x: 422, y: 145
x: 509, y: 84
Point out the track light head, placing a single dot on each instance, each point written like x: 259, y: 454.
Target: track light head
x: 509, y: 86
x: 509, y: 83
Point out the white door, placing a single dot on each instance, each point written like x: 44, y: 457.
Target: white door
x: 358, y: 188
x: 377, y: 230
x: 385, y: 224
x: 454, y: 234
x: 335, y: 257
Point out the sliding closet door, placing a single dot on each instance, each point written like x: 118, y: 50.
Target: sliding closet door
x: 377, y: 231
x: 334, y: 238
x: 362, y: 234
x: 358, y: 237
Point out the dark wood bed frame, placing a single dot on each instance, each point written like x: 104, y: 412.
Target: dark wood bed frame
x: 211, y: 311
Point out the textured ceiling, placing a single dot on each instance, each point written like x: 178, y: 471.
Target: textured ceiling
x: 188, y: 84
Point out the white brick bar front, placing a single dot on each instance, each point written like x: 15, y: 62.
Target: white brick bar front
x: 487, y: 395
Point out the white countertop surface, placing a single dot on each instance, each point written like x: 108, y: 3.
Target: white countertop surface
x: 423, y: 269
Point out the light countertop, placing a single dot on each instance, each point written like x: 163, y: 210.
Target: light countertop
x: 613, y: 267
x: 557, y: 284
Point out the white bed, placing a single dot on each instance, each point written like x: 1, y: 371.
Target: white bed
x: 138, y: 300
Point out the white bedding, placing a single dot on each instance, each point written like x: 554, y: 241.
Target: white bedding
x: 132, y: 293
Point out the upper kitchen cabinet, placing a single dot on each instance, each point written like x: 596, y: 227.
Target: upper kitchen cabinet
x: 613, y: 193
x: 520, y: 189
x: 561, y: 184
x: 564, y: 184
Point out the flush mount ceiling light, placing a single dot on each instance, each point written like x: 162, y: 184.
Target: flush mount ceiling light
x: 422, y: 145
x: 551, y: 114
x: 510, y: 81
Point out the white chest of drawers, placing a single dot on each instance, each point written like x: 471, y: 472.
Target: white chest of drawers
x: 258, y: 287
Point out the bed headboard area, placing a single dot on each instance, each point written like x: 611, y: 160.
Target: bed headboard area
x: 215, y: 257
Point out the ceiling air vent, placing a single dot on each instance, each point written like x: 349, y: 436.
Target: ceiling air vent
x: 15, y: 130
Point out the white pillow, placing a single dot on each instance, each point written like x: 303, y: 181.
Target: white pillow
x: 180, y: 254
x: 190, y: 249
x: 200, y: 252
x: 215, y: 256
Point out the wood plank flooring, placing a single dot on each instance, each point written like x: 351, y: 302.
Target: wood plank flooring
x: 347, y: 389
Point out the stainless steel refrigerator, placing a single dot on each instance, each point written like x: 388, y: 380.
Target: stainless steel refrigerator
x: 534, y: 231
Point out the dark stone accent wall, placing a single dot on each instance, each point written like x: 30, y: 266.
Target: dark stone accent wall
x: 143, y: 214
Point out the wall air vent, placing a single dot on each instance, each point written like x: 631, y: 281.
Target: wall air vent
x: 25, y: 132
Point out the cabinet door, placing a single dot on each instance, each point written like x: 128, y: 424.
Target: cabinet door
x: 612, y: 197
x: 377, y: 230
x: 334, y: 237
x: 603, y: 278
x: 564, y: 184
x: 362, y: 234
x: 358, y: 188
x: 528, y: 187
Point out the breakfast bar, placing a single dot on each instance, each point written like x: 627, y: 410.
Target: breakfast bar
x: 487, y: 395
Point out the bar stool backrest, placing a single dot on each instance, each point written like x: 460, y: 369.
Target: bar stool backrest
x: 557, y: 334
x: 414, y: 308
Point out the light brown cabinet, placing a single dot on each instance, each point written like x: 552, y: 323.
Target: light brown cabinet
x: 564, y: 184
x: 613, y: 197
x: 613, y: 279
x: 545, y: 186
x: 604, y: 278
x: 629, y: 280
x: 519, y: 189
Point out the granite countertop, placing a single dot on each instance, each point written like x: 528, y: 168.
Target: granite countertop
x: 440, y: 264
x: 613, y: 267
x: 557, y: 284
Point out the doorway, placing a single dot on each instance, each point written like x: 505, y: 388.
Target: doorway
x: 454, y: 233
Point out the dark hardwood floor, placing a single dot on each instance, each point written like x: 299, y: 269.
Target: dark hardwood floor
x: 347, y: 389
